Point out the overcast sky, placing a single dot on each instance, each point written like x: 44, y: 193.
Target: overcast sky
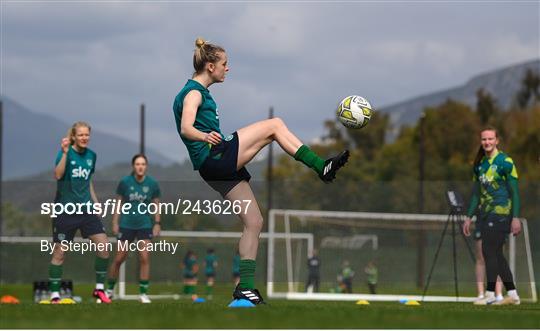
x: 97, y: 61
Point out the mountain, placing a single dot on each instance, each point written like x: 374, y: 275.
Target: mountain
x: 502, y: 84
x: 31, y: 141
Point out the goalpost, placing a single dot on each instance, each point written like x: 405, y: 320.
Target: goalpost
x: 394, y: 248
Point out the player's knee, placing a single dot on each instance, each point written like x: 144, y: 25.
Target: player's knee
x: 58, y: 256
x: 254, y: 224
x: 277, y: 123
x: 104, y: 254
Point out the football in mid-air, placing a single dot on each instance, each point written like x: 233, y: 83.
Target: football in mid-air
x: 354, y: 112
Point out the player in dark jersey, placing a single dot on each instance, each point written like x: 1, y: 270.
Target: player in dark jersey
x: 210, y: 269
x: 136, y: 223
x: 75, y: 164
x: 496, y: 196
x: 220, y: 158
x: 191, y: 269
x: 314, y: 272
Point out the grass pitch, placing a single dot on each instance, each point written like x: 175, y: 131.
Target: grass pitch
x: 214, y: 314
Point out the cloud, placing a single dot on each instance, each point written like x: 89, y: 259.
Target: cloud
x: 99, y: 61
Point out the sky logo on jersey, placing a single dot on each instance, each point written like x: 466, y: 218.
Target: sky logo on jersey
x: 80, y: 172
x: 137, y: 197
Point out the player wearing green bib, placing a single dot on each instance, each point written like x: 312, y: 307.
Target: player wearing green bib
x: 139, y: 190
x: 221, y: 159
x: 75, y: 164
x: 191, y: 268
x: 210, y: 266
x: 496, y: 196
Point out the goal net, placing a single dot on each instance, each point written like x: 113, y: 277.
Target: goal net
x: 399, y: 249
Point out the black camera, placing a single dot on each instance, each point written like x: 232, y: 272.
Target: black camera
x: 455, y: 201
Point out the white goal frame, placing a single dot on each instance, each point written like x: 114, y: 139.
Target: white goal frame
x: 291, y: 294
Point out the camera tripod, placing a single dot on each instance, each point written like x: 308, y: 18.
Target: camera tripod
x: 455, y: 218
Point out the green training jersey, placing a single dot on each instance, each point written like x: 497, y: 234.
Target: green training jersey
x: 137, y: 193
x: 347, y: 273
x: 236, y: 264
x: 495, y: 181
x: 210, y: 263
x: 372, y: 274
x: 206, y: 120
x: 74, y: 186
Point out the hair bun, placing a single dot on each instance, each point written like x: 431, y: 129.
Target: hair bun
x: 199, y: 42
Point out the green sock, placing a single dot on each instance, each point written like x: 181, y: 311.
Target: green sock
x: 143, y: 286
x: 209, y: 289
x: 308, y: 157
x: 247, y: 274
x: 112, y: 283
x: 189, y: 289
x: 55, y: 277
x: 100, y: 266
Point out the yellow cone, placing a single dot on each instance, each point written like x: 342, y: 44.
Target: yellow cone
x: 45, y: 302
x: 412, y: 303
x: 362, y: 302
x: 67, y: 301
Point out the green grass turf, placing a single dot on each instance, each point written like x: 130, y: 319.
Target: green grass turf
x: 276, y: 314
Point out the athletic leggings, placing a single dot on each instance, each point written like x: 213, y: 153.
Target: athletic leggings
x: 494, y: 232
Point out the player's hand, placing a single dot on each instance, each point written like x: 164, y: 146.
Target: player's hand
x: 156, y: 230
x: 515, y: 226
x: 213, y: 138
x: 115, y: 229
x: 467, y: 226
x: 65, y: 145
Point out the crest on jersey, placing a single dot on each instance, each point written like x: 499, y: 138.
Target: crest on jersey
x: 72, y: 162
x: 89, y: 162
x: 145, y: 189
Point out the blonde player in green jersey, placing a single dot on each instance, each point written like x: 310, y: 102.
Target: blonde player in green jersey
x: 139, y: 190
x: 221, y: 159
x: 75, y: 164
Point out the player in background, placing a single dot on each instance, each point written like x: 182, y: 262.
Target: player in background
x: 496, y: 196
x: 345, y: 277
x: 75, y: 165
x: 138, y: 189
x: 314, y: 272
x: 221, y: 159
x: 372, y: 274
x: 210, y: 268
x: 191, y: 268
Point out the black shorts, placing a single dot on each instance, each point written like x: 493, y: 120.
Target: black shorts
x: 495, y: 223
x: 236, y: 274
x: 131, y: 234
x: 210, y: 274
x: 190, y: 275
x: 64, y: 226
x: 219, y: 168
